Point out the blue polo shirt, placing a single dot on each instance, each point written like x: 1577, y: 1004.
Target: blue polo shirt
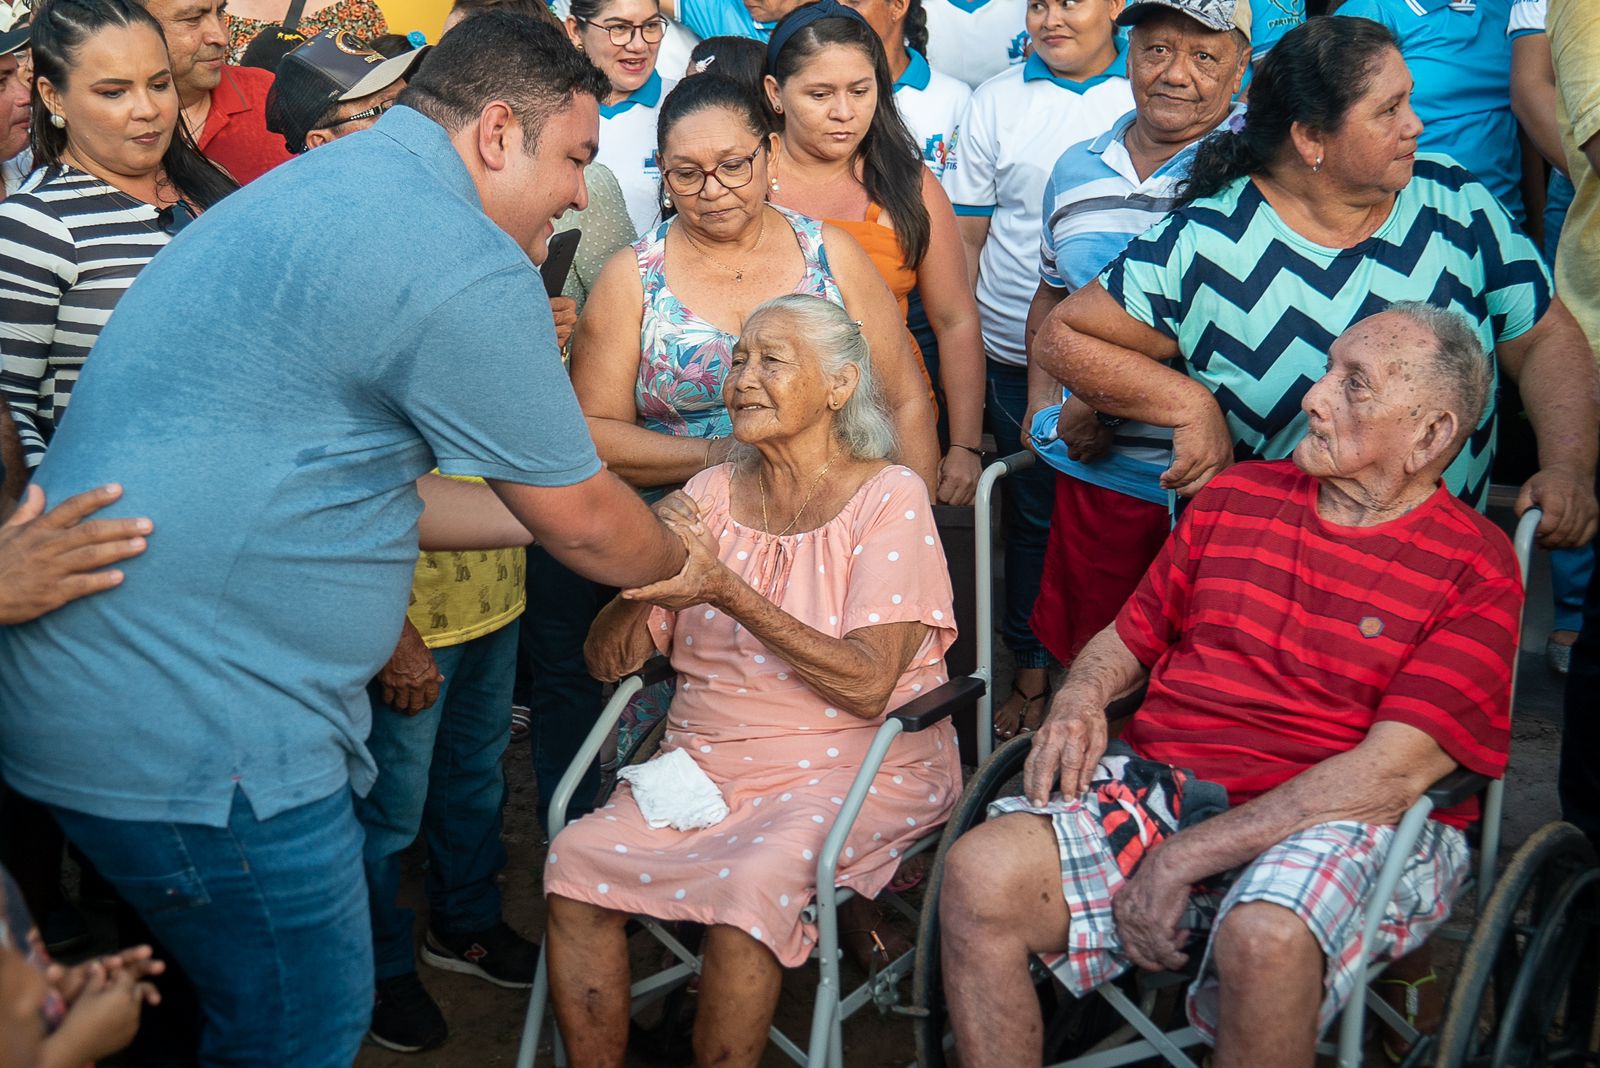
x: 1460, y: 60
x: 268, y: 393
x: 722, y: 18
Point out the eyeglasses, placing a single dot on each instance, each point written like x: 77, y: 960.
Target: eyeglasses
x: 730, y: 174
x: 373, y: 112
x: 621, y: 33
x: 174, y: 217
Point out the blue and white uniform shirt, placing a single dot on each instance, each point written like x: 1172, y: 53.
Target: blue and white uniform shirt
x: 1017, y: 126
x: 628, y: 148
x: 931, y: 103
x: 973, y: 40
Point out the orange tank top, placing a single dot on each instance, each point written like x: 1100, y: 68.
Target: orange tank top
x: 882, y: 246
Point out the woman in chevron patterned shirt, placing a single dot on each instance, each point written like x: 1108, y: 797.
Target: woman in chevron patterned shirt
x: 1315, y: 213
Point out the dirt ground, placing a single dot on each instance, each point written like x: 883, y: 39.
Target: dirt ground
x: 485, y: 1022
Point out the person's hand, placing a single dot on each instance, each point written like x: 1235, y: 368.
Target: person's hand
x: 409, y: 682
x: 70, y: 982
x: 1086, y: 438
x: 564, y: 310
x: 1570, y: 510
x: 1069, y: 744
x: 1201, y: 448
x: 50, y: 558
x: 958, y: 476
x: 702, y: 576
x: 104, y: 1018
x: 1148, y: 909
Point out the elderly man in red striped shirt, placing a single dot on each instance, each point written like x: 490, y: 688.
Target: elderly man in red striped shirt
x: 1323, y: 639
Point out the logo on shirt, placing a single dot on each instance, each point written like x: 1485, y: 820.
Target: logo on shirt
x: 652, y: 168
x: 1370, y: 626
x: 1017, y: 50
x: 936, y: 150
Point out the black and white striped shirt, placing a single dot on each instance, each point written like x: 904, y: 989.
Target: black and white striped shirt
x: 70, y: 245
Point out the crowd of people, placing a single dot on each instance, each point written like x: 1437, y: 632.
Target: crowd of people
x: 680, y: 327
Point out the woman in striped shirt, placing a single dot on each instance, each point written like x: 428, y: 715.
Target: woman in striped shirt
x: 116, y: 178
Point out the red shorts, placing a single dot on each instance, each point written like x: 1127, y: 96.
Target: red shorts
x: 1101, y: 544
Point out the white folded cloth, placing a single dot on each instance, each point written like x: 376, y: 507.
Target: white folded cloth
x: 672, y: 791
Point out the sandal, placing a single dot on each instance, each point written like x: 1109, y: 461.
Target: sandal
x: 1413, y: 1008
x: 1022, y: 713
x: 521, y: 722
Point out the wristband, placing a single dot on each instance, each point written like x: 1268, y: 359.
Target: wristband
x: 974, y: 451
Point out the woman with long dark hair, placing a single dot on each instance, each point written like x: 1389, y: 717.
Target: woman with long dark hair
x: 116, y: 177
x: 846, y: 157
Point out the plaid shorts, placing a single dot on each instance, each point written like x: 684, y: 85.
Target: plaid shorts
x: 1322, y: 874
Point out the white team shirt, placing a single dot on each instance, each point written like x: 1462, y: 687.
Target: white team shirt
x: 931, y: 105
x: 1017, y: 126
x: 628, y: 148
x: 974, y: 40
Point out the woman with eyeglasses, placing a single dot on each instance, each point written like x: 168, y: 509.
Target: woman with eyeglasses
x: 116, y: 178
x: 623, y: 38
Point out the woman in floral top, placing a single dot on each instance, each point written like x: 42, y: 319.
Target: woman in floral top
x: 246, y: 18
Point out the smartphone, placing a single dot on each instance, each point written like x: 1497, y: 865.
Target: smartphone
x: 558, y: 261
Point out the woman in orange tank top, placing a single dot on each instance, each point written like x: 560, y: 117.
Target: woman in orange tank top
x: 852, y: 162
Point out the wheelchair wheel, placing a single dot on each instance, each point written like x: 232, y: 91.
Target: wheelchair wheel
x: 1000, y: 775
x: 1529, y: 985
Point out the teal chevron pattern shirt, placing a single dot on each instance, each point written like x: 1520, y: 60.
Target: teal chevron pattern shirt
x: 1254, y: 306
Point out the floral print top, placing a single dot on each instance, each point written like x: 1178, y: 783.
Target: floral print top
x: 361, y: 17
x: 682, y: 357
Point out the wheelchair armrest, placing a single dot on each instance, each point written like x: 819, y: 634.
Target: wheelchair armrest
x: 1456, y: 787
x: 937, y: 704
x: 657, y: 669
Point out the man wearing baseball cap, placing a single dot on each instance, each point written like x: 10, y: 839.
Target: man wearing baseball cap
x: 333, y: 85
x: 15, y: 92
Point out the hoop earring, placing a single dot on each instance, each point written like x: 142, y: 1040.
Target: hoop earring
x: 58, y: 120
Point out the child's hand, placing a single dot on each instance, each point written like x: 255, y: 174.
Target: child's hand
x: 70, y: 982
x: 103, y: 1019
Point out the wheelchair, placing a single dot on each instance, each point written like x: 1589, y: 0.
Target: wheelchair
x: 833, y: 1005
x: 1527, y: 991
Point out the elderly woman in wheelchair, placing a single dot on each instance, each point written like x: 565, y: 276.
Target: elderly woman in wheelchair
x: 1323, y: 639
x: 815, y: 598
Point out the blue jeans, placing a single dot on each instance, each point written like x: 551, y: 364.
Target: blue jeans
x: 439, y: 774
x: 564, y: 700
x: 1027, y: 500
x: 267, y: 917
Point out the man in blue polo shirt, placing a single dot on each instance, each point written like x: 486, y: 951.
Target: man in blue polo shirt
x: 1460, y: 61
x: 198, y: 729
x: 1110, y: 516
x: 730, y: 18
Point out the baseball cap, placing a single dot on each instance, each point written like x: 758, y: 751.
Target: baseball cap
x: 267, y: 48
x: 332, y: 66
x: 16, y: 26
x: 1212, y: 14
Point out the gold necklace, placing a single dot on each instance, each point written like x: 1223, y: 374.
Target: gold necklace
x: 761, y: 481
x: 737, y: 272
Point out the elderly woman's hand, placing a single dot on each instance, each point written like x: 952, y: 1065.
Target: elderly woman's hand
x: 701, y: 579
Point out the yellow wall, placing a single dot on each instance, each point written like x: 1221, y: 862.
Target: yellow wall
x: 403, y: 16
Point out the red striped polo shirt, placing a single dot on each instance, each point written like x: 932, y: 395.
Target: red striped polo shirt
x: 1275, y: 639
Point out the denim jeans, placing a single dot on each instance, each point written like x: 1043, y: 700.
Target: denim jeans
x: 267, y: 917
x: 563, y: 698
x: 1027, y: 500
x: 439, y: 774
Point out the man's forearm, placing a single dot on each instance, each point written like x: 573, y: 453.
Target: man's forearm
x: 1114, y: 379
x: 610, y: 536
x: 461, y: 516
x: 1105, y: 670
x: 1376, y: 782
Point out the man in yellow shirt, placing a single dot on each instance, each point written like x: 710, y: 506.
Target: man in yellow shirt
x: 1574, y: 30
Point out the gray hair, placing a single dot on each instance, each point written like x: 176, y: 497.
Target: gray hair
x: 862, y: 424
x: 1457, y: 357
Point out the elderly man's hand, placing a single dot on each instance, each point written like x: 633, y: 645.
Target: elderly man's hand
x: 1567, y: 499
x: 1069, y: 743
x: 409, y: 682
x: 1201, y: 448
x: 1148, y: 909
x: 564, y: 310
x: 702, y: 575
x: 50, y: 558
x: 1086, y: 439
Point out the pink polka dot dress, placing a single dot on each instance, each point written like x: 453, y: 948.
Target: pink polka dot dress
x: 781, y: 756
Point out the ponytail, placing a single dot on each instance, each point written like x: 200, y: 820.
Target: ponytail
x: 917, y: 26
